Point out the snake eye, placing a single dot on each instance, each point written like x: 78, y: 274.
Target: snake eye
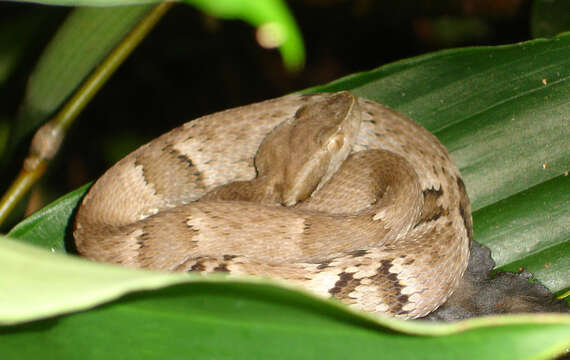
x: 335, y: 143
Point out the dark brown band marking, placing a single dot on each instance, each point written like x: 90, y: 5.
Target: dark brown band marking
x: 344, y: 286
x: 199, y: 266
x: 465, y: 209
x: 358, y: 253
x: 223, y: 267
x: 431, y: 210
x: 390, y: 288
x: 170, y: 161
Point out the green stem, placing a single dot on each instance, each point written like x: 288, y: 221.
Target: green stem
x: 48, y: 138
x: 20, y: 187
x: 91, y: 86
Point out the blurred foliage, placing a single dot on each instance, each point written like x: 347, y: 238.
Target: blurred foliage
x: 549, y: 17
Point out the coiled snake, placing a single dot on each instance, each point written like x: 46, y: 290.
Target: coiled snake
x: 337, y: 194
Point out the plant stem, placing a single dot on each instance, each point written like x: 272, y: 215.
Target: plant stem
x: 48, y: 138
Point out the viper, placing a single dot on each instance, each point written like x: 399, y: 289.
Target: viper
x: 331, y: 192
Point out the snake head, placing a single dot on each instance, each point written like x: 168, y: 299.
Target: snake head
x: 309, y: 147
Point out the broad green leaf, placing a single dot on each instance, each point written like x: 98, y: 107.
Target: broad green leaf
x: 502, y: 111
x: 198, y: 318
x: 526, y: 229
x: 75, y: 284
x: 49, y: 226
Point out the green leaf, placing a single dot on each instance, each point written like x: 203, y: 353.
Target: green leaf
x: 198, y: 318
x: 502, y: 111
x: 531, y: 230
x: 48, y: 227
x: 271, y: 17
x: 79, y: 284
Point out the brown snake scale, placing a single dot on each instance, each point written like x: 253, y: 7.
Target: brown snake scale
x: 347, y: 198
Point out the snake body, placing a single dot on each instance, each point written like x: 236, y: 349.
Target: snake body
x: 337, y: 194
